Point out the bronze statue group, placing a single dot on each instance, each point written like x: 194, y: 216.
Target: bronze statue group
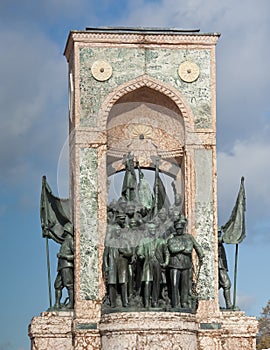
x: 147, y: 261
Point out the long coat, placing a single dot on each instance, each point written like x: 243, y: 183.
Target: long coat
x: 115, y: 261
x: 154, y: 252
x: 180, y: 248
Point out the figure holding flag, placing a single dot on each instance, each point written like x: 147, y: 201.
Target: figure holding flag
x: 235, y: 230
x: 129, y: 187
x: 224, y: 281
x: 161, y: 199
x: 56, y: 225
x: 65, y: 268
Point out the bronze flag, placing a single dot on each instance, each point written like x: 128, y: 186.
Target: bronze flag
x: 54, y: 213
x: 235, y: 229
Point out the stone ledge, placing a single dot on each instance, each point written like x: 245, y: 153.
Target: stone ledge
x: 148, y: 322
x: 51, y: 324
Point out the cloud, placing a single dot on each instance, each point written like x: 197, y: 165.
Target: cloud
x: 243, y: 85
x: 33, y: 94
x: 246, y: 302
x: 247, y: 158
x: 243, y: 77
x: 46, y: 10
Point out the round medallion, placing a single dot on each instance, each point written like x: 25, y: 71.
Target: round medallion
x: 101, y: 70
x: 188, y: 71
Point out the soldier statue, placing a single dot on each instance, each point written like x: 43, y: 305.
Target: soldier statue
x: 224, y: 281
x: 65, y: 275
x: 180, y: 247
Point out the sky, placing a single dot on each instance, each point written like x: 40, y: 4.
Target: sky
x: 34, y: 125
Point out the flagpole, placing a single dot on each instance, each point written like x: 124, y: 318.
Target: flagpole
x: 44, y: 181
x: 235, y: 275
x: 156, y: 186
x: 49, y: 272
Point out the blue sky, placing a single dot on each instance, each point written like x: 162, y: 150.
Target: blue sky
x: 34, y: 121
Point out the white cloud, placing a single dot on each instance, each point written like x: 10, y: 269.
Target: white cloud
x: 243, y: 77
x: 248, y: 158
x: 244, y: 302
x: 243, y: 85
x: 33, y: 97
x: 32, y: 78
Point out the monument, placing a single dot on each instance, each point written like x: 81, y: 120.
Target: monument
x: 142, y: 229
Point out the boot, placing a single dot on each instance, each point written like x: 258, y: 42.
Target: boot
x: 146, y: 294
x: 124, y: 296
x: 58, y: 296
x: 70, y: 304
x: 112, y: 295
x: 227, y: 297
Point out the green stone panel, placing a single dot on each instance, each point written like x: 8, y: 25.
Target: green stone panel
x: 129, y: 63
x: 88, y: 224
x: 163, y: 64
x: 205, y: 221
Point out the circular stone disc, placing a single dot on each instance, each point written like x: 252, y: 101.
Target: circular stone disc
x: 188, y: 71
x: 101, y: 70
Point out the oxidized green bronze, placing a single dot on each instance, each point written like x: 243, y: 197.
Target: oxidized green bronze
x: 56, y: 225
x: 65, y: 276
x: 180, y: 247
x: 224, y: 281
x: 141, y: 266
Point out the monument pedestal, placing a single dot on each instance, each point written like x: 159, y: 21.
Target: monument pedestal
x: 149, y: 330
x: 143, y: 331
x: 51, y: 330
x: 231, y: 330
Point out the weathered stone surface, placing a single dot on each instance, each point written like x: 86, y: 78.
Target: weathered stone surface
x: 237, y: 331
x: 88, y: 228
x: 51, y: 330
x: 144, y: 330
x: 149, y: 330
x: 130, y: 63
x: 204, y: 221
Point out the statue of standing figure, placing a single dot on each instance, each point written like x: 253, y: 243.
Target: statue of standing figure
x: 180, y: 264
x: 129, y: 187
x: 65, y: 268
x: 154, y: 253
x: 116, y: 260
x: 224, y: 281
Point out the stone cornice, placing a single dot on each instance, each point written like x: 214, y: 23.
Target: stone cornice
x: 143, y: 39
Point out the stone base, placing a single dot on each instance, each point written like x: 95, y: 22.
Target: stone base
x: 144, y: 330
x: 149, y: 330
x: 51, y: 330
x: 232, y: 330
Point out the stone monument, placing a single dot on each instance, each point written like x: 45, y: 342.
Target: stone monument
x: 143, y: 101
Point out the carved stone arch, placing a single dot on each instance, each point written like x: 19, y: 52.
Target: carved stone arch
x: 152, y: 83
x: 121, y: 124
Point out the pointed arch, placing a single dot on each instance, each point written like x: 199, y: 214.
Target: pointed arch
x: 152, y: 83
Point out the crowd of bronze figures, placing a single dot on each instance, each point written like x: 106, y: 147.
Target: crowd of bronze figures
x: 147, y: 258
